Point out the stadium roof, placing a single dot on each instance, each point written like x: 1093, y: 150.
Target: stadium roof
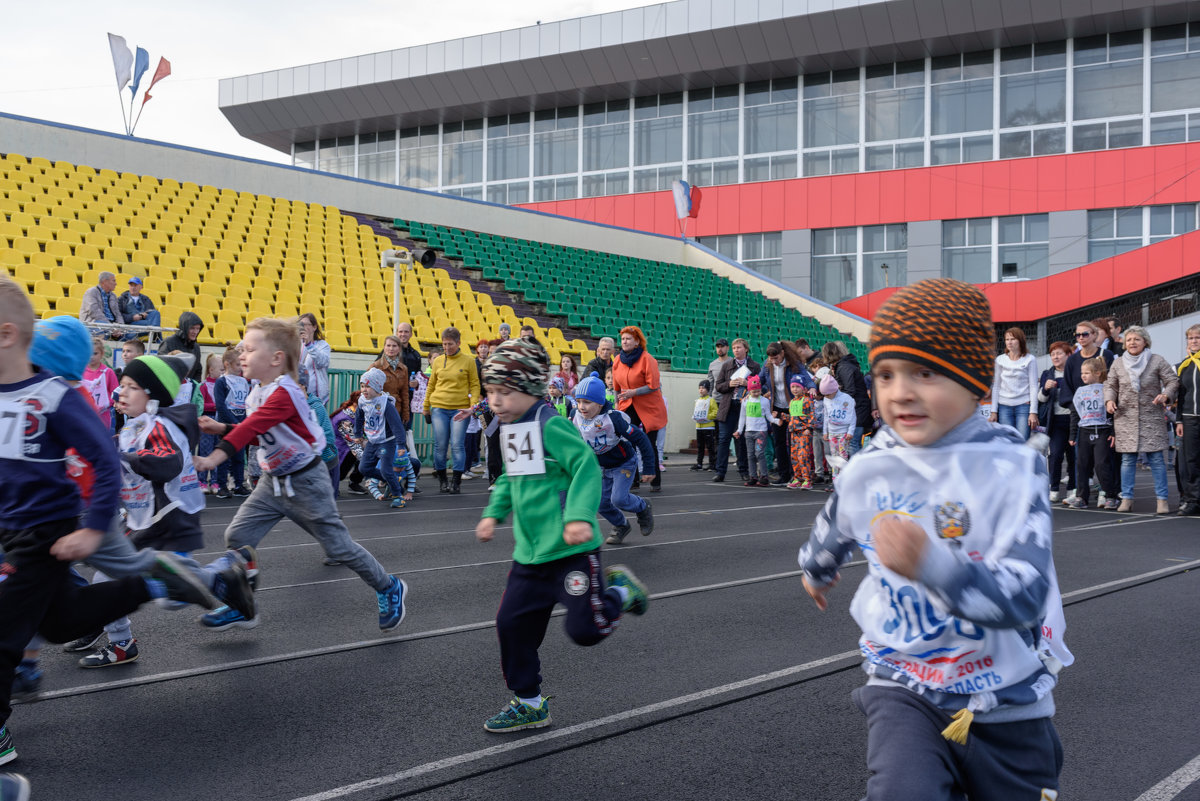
x: 641, y: 51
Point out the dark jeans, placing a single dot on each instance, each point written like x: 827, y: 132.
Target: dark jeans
x: 377, y: 463
x: 1059, y: 437
x: 1187, y: 461
x: 577, y: 583
x: 495, y: 465
x: 472, y: 445
x: 236, y: 466
x: 908, y: 759
x: 39, y: 596
x: 706, y: 440
x: 725, y: 431
x: 1092, y: 452
x: 779, y: 440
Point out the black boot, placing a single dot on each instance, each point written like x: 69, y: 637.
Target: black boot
x: 441, y: 477
x: 455, y: 482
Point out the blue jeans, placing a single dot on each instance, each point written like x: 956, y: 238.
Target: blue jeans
x: 1158, y: 469
x: 615, y: 496
x: 377, y: 461
x: 1014, y: 417
x: 854, y: 444
x: 448, y: 431
x: 152, y: 318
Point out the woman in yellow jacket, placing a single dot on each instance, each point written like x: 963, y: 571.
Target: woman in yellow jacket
x: 453, y: 387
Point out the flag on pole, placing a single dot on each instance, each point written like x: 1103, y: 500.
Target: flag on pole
x: 687, y: 199
x: 162, y: 71
x: 122, y: 59
x: 141, y: 64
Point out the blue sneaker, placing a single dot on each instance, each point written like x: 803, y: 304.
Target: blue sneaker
x: 8, y: 751
x: 391, y: 605
x: 519, y: 715
x: 637, y: 600
x: 27, y: 683
x: 225, y: 618
x: 13, y: 787
x: 397, y: 503
x: 233, y: 583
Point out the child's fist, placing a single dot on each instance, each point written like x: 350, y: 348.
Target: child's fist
x: 818, y: 593
x: 900, y: 545
x: 577, y: 532
x: 485, y: 529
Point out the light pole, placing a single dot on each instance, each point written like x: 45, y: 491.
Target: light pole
x: 884, y: 267
x: 397, y: 260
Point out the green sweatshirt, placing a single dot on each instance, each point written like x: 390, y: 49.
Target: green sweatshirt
x: 568, y: 491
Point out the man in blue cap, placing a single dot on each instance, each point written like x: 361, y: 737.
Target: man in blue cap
x: 136, y: 308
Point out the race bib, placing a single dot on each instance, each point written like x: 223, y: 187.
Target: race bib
x: 754, y: 408
x: 521, y: 444
x: 1089, y: 402
x: 12, y: 430
x: 700, y: 411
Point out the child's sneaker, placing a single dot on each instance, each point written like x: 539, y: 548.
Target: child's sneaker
x: 645, y: 520
x: 1054, y: 496
x: 223, y: 493
x: 519, y: 715
x: 85, y: 643
x: 750, y: 482
x: 806, y: 485
x: 8, y: 751
x: 224, y: 618
x: 115, y: 653
x: 1066, y: 501
x: 354, y: 488
x: 27, y: 683
x: 13, y: 786
x: 1112, y: 504
x: 1101, y: 499
x: 391, y: 605
x: 397, y: 503
x: 1076, y: 503
x: 240, y: 491
x: 637, y: 600
x: 619, y: 533
x: 763, y: 481
x: 794, y: 484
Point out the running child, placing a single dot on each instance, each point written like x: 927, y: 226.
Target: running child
x: 614, y: 439
x: 40, y: 507
x: 704, y: 412
x: 378, y: 423
x: 800, y: 427
x: 229, y: 400
x: 754, y: 421
x: 294, y: 482
x: 1092, y: 437
x: 960, y: 612
x: 101, y: 382
x: 212, y: 371
x: 839, y: 425
x: 551, y: 485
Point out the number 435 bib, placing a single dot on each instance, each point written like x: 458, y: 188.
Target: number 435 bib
x: 521, y: 444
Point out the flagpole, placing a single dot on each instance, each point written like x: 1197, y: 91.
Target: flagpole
x: 141, y: 108
x: 121, y: 103
x: 132, y: 95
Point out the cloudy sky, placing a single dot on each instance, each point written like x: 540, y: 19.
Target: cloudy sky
x: 59, y: 66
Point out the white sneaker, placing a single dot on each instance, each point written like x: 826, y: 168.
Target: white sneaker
x: 1069, y: 497
x: 491, y: 487
x: 468, y: 476
x: 1100, y: 499
x: 1054, y: 496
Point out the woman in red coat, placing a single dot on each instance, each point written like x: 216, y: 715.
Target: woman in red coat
x: 639, y: 391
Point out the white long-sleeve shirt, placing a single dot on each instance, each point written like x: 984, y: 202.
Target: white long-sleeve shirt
x: 755, y: 419
x: 1016, y: 382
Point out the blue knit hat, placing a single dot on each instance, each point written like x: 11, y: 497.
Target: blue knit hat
x: 61, y: 345
x: 590, y: 389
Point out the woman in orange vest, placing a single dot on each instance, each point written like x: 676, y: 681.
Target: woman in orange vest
x: 639, y: 391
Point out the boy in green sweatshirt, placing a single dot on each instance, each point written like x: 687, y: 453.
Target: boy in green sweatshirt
x: 551, y: 485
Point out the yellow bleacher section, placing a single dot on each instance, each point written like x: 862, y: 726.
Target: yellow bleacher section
x: 230, y: 256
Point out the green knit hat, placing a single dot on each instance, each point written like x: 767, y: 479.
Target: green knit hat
x: 158, y: 376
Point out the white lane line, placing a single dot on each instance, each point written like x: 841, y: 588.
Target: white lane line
x: 1174, y: 784
x: 1131, y: 579
x: 578, y: 728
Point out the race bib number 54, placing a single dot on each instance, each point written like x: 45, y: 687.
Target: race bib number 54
x: 521, y: 444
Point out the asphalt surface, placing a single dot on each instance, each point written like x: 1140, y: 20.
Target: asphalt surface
x: 732, y: 686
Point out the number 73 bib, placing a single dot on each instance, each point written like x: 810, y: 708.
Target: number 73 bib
x: 521, y: 444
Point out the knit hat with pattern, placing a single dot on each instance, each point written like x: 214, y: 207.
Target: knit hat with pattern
x: 943, y: 324
x: 518, y: 364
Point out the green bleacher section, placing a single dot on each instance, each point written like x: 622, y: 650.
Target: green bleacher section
x: 681, y: 309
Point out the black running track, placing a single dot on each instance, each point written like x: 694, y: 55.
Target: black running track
x: 732, y: 686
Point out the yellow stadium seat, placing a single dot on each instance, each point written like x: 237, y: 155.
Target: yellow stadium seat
x: 64, y: 275
x: 48, y: 289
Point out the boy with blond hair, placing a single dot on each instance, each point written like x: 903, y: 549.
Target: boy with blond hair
x: 294, y: 481
x: 960, y: 612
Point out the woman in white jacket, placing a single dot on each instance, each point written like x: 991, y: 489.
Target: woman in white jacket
x: 1015, y: 385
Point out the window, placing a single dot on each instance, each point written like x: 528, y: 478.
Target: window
x: 1175, y: 67
x: 831, y: 109
x: 887, y: 157
x: 556, y: 141
x: 763, y: 253
x: 771, y: 108
x: 1113, y: 231
x: 1101, y: 135
x: 336, y: 155
x: 895, y: 101
x: 377, y: 156
x: 1176, y: 128
x: 831, y: 162
x: 419, y: 157
x: 1024, y: 246
x: 611, y: 183
x: 658, y: 129
x: 509, y: 194
x: 1169, y: 221
x: 835, y: 264
x: 961, y: 93
x: 959, y: 150
x: 1037, y: 142
x: 885, y: 256
x: 656, y: 179
x: 1033, y: 87
x: 713, y: 173
x: 305, y: 154
x: 606, y: 135
x: 555, y: 189
x: 508, y: 147
x: 769, y: 168
x: 727, y: 246
x: 713, y: 122
x: 1108, y: 75
x: 967, y: 250
x: 462, y: 153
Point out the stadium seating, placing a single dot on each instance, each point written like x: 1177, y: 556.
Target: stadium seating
x: 681, y: 309
x: 230, y: 256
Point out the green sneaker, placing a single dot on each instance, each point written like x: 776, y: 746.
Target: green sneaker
x: 519, y: 715
x: 637, y: 600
